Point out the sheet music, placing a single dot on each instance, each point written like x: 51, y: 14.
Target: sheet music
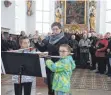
x: 43, y: 69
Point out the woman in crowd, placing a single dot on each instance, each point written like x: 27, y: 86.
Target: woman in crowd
x: 101, y: 47
x: 52, y: 46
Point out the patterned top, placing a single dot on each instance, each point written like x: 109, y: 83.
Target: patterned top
x: 24, y: 79
x: 63, y: 71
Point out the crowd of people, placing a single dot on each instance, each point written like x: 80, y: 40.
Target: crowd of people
x: 90, y: 50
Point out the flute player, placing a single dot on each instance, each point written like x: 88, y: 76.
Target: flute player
x: 52, y: 46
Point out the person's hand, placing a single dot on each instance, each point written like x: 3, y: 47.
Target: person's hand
x: 98, y: 50
x: 47, y: 57
x: 108, y: 50
x: 94, y: 47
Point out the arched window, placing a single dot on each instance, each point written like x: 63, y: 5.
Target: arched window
x: 43, y: 16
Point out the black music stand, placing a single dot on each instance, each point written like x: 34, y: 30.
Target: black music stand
x: 21, y: 64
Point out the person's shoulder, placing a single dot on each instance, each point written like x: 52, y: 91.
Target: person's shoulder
x: 65, y: 37
x: 64, y: 40
x: 68, y: 58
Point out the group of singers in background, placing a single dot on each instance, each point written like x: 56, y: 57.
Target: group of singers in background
x: 90, y: 52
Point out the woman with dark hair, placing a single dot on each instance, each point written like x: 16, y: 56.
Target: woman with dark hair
x: 52, y: 46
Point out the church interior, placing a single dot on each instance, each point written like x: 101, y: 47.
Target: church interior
x: 81, y: 27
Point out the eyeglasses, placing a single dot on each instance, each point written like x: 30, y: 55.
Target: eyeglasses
x: 63, y: 51
x: 55, y: 29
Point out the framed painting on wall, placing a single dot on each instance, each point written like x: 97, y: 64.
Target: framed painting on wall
x: 75, y: 12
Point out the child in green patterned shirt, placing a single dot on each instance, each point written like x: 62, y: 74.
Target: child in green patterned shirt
x: 62, y: 70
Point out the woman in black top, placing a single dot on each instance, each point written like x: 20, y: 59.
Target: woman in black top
x: 52, y: 46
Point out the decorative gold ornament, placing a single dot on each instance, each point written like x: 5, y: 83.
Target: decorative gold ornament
x: 29, y: 8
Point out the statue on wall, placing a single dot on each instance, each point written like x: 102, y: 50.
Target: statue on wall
x: 58, y: 16
x: 92, y: 15
x: 92, y: 22
x: 59, y: 11
x: 29, y: 7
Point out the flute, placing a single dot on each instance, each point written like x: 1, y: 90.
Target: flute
x: 30, y: 49
x: 41, y: 54
x: 50, y: 56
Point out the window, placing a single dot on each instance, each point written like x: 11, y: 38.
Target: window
x: 108, y: 16
x: 43, y: 16
x: 20, y: 14
x: 108, y: 4
x: 108, y: 27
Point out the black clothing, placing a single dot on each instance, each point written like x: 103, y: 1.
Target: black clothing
x: 101, y: 64
x: 109, y: 56
x: 52, y: 50
x: 74, y: 45
x: 92, y: 51
x: 4, y: 45
x: 68, y: 35
x: 12, y: 45
x: 27, y: 88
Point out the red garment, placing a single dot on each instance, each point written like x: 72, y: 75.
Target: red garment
x: 101, y: 52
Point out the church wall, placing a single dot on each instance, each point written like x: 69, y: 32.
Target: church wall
x: 8, y: 16
x: 31, y: 20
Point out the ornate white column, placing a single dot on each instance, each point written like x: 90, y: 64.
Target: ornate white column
x: 101, y: 16
x: 8, y: 16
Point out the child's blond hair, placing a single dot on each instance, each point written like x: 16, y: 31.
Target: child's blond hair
x: 67, y: 46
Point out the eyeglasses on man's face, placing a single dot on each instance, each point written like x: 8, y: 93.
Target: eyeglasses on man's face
x: 55, y: 29
x: 62, y: 51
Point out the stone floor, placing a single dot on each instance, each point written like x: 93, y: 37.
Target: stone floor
x: 83, y: 82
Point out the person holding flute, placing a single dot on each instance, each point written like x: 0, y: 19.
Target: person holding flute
x: 63, y: 70
x: 52, y: 46
x: 26, y: 81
